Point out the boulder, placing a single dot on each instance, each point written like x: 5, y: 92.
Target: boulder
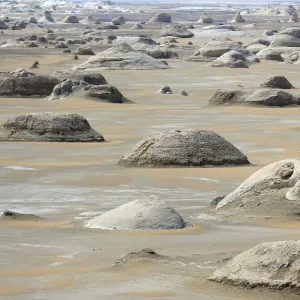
x: 147, y: 213
x: 183, y: 93
x: 50, y: 36
x: 239, y: 64
x: 256, y: 48
x: 205, y: 19
x: 32, y: 45
x: 90, y: 77
x: 110, y: 26
x: 231, y: 57
x: 61, y: 46
x: 289, y: 37
x: 165, y: 90
x: 84, y: 50
x: 293, y: 58
x: 3, y: 25
x: 176, y: 30
x: 253, y: 97
x: 290, y: 10
x: 32, y: 20
x: 22, y: 83
x: 49, y: 127
x: 106, y: 93
x: 273, y: 265
x: 217, y: 200
x: 294, y: 18
x: 118, y: 21
x: 267, y: 191
x: 277, y: 82
x: 161, y: 18
x: 184, y: 148
x: 122, y: 57
x: 238, y: 18
x: 71, y: 19
x: 137, y: 26
x: 47, y: 17
x: 269, y: 33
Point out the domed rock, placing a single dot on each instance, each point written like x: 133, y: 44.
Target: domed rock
x: 256, y: 48
x: 293, y: 58
x: 47, y: 17
x: 50, y: 36
x: 147, y: 213
x: 176, y: 30
x: 26, y: 85
x: 165, y: 90
x: 71, y: 19
x: 3, y: 25
x: 161, y: 18
x: 183, y: 148
x: 273, y: 55
x: 32, y: 20
x: 290, y: 10
x: 266, y: 192
x: 137, y: 26
x: 262, y: 96
x: 49, y: 127
x: 61, y: 46
x: 84, y: 50
x: 277, y: 82
x: 122, y: 57
x: 289, y: 37
x: 239, y: 64
x: 231, y: 57
x: 90, y: 77
x: 238, y: 18
x: 118, y: 21
x: 273, y: 265
x: 107, y: 93
x: 294, y: 18
x: 205, y: 19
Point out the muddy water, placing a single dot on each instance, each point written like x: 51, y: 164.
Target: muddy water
x: 67, y: 183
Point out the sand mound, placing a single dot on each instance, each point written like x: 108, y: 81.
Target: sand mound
x: 161, y: 18
x: 266, y: 191
x: 261, y: 96
x: 176, y: 30
x: 277, y: 82
x: 49, y: 127
x: 146, y: 213
x: 274, y: 265
x: 122, y: 57
x: 184, y: 148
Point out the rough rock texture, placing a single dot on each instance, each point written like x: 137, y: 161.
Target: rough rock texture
x: 49, y: 127
x: 262, y: 96
x: 88, y: 76
x: 106, y: 93
x: 176, y: 30
x: 255, y: 48
x: 165, y: 90
x: 231, y: 57
x: 205, y: 19
x: 265, y: 192
x: 118, y: 21
x: 273, y: 265
x: 84, y: 50
x: 32, y: 20
x: 277, y: 82
x: 146, y: 213
x: 239, y: 64
x: 138, y: 256
x: 47, y: 17
x: 289, y: 37
x: 217, y: 200
x: 71, y: 19
x: 26, y: 84
x: 161, y: 18
x: 184, y: 148
x: 293, y: 58
x: 122, y: 57
x: 238, y: 18
x: 11, y: 215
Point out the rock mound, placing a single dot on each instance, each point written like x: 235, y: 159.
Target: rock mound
x: 262, y: 97
x: 293, y: 58
x: 176, y: 30
x: 147, y: 213
x: 22, y: 83
x: 84, y: 50
x: 161, y: 18
x: 122, y: 57
x: 274, y: 265
x: 118, y: 21
x: 238, y: 18
x: 277, y: 82
x: 294, y: 18
x: 49, y: 127
x: 184, y: 148
x: 71, y: 19
x: 3, y: 25
x: 289, y: 37
x: 47, y: 17
x: 11, y: 215
x: 137, y: 26
x: 230, y: 58
x: 205, y: 19
x: 266, y: 191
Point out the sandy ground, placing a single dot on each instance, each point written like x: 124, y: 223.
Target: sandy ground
x: 56, y: 258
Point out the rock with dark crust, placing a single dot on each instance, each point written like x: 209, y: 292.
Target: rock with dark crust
x: 49, y: 127
x: 277, y: 82
x: 184, y: 148
x: 161, y: 18
x: 176, y: 30
x: 12, y: 215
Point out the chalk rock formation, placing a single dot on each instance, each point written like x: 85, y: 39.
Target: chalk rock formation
x: 146, y: 213
x: 277, y: 82
x: 273, y: 265
x: 205, y: 19
x: 49, y: 127
x: 238, y: 18
x: 176, y: 30
x: 71, y: 19
x: 161, y: 18
x: 184, y: 148
x: 118, y: 21
x: 231, y: 57
x: 289, y: 37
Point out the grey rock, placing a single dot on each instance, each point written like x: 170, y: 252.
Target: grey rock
x: 289, y: 37
x: 217, y: 200
x: 12, y: 215
x: 118, y: 21
x: 277, y: 82
x: 47, y: 17
x: 294, y: 18
x: 176, y: 30
x: 32, y: 20
x: 61, y: 46
x: 184, y: 148
x: 161, y: 18
x: 122, y: 57
x: 137, y: 26
x: 84, y: 50
x: 3, y: 25
x: 49, y: 127
x: 50, y: 36
x: 255, y: 48
x: 293, y: 58
x: 231, y: 57
x: 165, y: 90
x: 110, y: 26
x: 273, y: 265
x: 239, y: 64
x: 71, y: 19
x: 32, y: 45
x: 205, y: 19
x: 141, y: 214
x: 183, y: 93
x: 238, y: 18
